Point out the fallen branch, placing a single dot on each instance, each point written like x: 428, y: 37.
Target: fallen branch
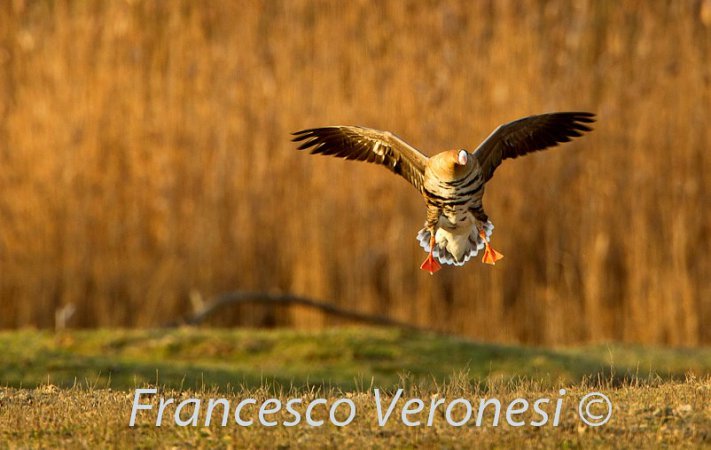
x: 238, y: 298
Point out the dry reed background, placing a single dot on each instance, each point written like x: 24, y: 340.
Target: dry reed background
x: 145, y: 154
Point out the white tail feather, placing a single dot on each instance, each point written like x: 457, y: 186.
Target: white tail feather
x: 455, y: 248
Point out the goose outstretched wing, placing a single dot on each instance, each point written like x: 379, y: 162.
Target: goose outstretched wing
x: 366, y: 144
x: 529, y: 134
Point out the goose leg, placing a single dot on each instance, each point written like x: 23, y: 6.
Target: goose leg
x: 490, y: 255
x: 430, y: 264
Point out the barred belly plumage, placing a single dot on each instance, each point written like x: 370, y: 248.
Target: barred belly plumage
x: 461, y: 218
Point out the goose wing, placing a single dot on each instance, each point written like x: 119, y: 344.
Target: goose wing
x: 366, y: 144
x: 528, y: 135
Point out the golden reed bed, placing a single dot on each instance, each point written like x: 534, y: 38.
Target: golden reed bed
x: 145, y: 155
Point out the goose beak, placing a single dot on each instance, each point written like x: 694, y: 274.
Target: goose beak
x: 462, y: 157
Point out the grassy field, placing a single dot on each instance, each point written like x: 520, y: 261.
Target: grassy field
x: 668, y: 414
x: 76, y: 388
x: 348, y: 358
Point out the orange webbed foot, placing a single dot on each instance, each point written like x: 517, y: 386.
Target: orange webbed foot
x: 430, y: 265
x: 490, y: 255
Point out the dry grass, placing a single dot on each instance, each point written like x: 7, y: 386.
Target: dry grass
x: 144, y: 154
x: 660, y: 397
x: 676, y: 415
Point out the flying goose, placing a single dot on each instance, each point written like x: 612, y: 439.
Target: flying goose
x: 451, y: 182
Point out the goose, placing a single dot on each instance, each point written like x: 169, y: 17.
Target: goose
x: 451, y: 182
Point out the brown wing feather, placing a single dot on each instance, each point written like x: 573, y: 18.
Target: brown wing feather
x: 530, y: 134
x: 366, y: 144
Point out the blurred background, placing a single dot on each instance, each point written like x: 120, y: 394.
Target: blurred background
x: 145, y: 158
